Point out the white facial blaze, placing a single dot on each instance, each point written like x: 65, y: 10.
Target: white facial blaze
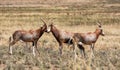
x: 48, y: 29
x: 103, y: 33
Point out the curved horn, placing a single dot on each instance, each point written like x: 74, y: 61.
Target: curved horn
x: 43, y: 21
x: 99, y: 24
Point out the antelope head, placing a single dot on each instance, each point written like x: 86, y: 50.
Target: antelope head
x: 49, y: 27
x: 101, y: 29
x: 44, y: 27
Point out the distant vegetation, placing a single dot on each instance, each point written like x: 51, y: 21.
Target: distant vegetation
x: 82, y: 12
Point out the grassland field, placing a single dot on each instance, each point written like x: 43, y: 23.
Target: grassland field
x: 69, y: 15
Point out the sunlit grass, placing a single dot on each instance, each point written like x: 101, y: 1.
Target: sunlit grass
x: 72, y: 17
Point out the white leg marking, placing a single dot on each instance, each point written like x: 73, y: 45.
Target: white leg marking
x: 75, y: 52
x: 33, y: 50
x: 10, y: 49
x: 92, y: 50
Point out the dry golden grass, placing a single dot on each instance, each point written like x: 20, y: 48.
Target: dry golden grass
x: 69, y: 15
x: 41, y: 3
x: 106, y: 50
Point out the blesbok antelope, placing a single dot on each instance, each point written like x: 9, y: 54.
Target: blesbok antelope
x: 61, y: 36
x: 27, y: 36
x: 89, y: 38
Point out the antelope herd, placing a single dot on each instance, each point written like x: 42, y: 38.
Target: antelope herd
x: 75, y: 39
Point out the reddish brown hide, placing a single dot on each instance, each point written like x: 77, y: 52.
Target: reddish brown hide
x: 27, y: 36
x: 61, y: 36
x: 89, y: 38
